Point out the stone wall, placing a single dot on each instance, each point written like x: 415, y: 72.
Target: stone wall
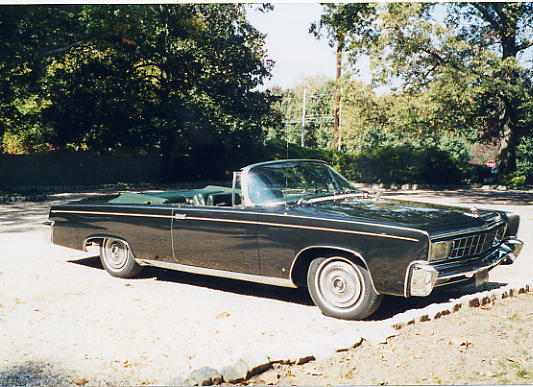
x: 41, y: 170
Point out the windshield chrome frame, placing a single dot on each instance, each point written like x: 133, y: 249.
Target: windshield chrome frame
x: 245, y: 178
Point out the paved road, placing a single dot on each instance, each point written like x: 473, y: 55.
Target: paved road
x: 62, y: 316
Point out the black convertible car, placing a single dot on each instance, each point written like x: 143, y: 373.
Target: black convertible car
x: 295, y: 223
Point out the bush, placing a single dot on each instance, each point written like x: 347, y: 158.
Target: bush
x: 476, y: 174
x: 524, y: 155
x: 514, y: 180
x: 401, y: 165
x: 387, y: 165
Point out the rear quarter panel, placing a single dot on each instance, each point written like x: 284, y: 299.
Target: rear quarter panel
x: 146, y: 229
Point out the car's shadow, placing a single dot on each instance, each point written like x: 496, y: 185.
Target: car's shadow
x: 390, y: 307
x: 296, y: 296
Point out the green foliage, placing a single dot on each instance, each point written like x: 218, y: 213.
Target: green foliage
x: 174, y: 80
x: 404, y: 164
x: 525, y: 156
x: 277, y: 149
x: 344, y: 21
x: 462, y: 76
x: 319, y: 113
x: 514, y: 180
x: 387, y: 165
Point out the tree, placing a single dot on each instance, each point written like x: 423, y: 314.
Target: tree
x: 31, y: 36
x: 342, y: 21
x: 318, y: 112
x: 469, y: 66
x: 507, y: 29
x: 168, y: 79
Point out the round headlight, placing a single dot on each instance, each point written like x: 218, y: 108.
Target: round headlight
x: 440, y: 250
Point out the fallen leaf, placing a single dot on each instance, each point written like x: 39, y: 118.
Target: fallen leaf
x: 81, y: 382
x: 222, y: 315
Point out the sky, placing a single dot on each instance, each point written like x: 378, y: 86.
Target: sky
x: 297, y: 53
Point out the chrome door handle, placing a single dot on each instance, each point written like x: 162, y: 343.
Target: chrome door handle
x: 180, y: 216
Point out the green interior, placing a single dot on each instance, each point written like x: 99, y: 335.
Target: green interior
x: 210, y: 195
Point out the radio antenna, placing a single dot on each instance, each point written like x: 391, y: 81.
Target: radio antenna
x: 286, y: 158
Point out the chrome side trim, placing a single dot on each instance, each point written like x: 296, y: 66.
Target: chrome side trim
x: 218, y: 273
x: 302, y: 227
x: 232, y: 211
x: 110, y: 213
x: 242, y: 222
x: 465, y: 231
x: 355, y: 253
x: 334, y: 197
x: 314, y: 218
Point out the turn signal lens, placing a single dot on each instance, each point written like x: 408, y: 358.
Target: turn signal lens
x: 440, y: 250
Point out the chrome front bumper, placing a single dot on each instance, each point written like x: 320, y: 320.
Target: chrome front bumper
x: 423, y: 277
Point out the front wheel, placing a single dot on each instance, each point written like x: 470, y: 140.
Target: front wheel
x: 117, y: 259
x: 341, y: 288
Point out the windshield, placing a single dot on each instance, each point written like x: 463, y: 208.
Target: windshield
x: 291, y: 181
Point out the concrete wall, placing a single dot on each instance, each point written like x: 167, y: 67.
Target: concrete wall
x: 77, y: 169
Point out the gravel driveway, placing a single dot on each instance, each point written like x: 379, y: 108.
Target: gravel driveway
x: 64, y: 320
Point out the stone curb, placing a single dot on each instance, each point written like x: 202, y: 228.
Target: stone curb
x: 253, y: 363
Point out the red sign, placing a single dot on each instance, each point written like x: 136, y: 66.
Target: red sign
x: 491, y: 164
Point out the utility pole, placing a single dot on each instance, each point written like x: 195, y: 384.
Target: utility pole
x: 339, y: 145
x: 338, y: 73
x: 304, y: 103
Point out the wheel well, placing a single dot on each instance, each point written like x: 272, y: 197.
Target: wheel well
x: 97, y: 240
x: 92, y: 241
x: 303, y: 260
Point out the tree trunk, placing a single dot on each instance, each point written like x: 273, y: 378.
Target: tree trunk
x: 507, y: 148
x: 508, y: 121
x: 336, y: 108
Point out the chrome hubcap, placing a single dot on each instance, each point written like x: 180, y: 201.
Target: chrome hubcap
x: 339, y: 284
x: 116, y: 254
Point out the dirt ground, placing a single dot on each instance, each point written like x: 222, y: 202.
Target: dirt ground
x: 64, y: 321
x: 489, y: 345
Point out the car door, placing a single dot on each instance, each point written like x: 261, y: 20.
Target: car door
x: 216, y: 238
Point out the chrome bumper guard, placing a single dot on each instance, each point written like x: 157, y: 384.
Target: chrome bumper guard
x: 423, y: 277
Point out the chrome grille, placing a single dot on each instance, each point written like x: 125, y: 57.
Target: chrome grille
x: 476, y: 244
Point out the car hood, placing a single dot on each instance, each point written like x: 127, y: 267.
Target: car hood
x: 433, y: 218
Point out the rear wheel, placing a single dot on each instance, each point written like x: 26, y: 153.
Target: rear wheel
x: 117, y: 259
x: 342, y: 288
